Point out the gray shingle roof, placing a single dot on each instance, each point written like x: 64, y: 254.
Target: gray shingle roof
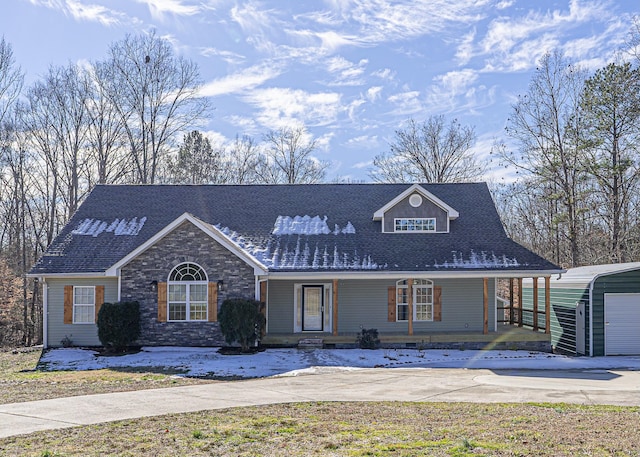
x: 115, y: 220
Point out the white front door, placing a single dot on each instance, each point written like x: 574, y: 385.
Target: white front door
x: 312, y: 308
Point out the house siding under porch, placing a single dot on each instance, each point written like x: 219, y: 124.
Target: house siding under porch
x: 364, y: 304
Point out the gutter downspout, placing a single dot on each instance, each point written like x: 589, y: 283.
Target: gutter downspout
x: 495, y: 305
x: 45, y: 313
x: 593, y: 281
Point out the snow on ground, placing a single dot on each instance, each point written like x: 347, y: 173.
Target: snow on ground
x: 292, y: 362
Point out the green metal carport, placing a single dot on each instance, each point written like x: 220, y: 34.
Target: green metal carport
x: 595, y: 310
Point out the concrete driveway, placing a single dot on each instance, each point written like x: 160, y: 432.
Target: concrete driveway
x: 612, y: 387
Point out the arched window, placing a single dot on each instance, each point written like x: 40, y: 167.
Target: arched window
x: 422, y: 294
x: 187, y: 293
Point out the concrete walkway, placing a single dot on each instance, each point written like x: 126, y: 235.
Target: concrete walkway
x: 611, y: 387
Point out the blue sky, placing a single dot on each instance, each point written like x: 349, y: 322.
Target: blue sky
x: 351, y: 71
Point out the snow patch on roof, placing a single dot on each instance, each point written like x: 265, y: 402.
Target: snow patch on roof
x: 475, y: 260
x: 94, y: 227
x: 303, y: 256
x: 307, y: 225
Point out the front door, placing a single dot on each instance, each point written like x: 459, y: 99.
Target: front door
x: 312, y: 308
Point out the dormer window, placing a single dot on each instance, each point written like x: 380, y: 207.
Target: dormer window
x: 403, y: 224
x: 415, y: 211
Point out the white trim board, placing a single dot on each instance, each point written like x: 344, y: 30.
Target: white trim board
x: 452, y: 213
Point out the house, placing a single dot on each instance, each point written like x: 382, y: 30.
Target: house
x: 595, y: 310
x: 419, y: 263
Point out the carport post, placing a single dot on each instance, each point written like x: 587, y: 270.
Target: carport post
x: 520, y: 302
x: 535, y: 304
x: 511, y: 301
x: 547, y: 304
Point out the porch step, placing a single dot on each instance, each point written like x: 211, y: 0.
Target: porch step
x: 310, y: 343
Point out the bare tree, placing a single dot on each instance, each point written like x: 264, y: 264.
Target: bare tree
x: 11, y: 79
x: 434, y: 151
x: 242, y: 159
x: 633, y: 42
x: 57, y: 119
x: 288, y: 158
x: 546, y: 124
x: 106, y: 133
x: 156, y: 94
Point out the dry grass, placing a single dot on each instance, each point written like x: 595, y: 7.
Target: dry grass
x: 354, y: 429
x: 20, y: 381
x: 312, y: 429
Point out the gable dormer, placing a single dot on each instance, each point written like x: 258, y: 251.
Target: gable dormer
x: 415, y: 211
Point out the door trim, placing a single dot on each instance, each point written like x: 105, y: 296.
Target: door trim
x: 327, y: 301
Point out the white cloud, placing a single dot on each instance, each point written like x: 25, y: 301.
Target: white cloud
x: 444, y: 94
x: 385, y: 73
x: 383, y: 20
x: 406, y: 103
x: 504, y: 4
x: 247, y: 125
x: 457, y: 82
x: 86, y: 12
x: 252, y: 18
x: 362, y: 165
x: 363, y: 142
x: 228, y: 56
x: 249, y: 78
x: 92, y: 13
x: 373, y: 93
x: 516, y: 43
x: 324, y: 141
x: 346, y: 73
x: 465, y: 48
x: 159, y: 8
x: 279, y: 107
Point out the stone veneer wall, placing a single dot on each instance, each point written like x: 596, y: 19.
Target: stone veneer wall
x: 186, y: 243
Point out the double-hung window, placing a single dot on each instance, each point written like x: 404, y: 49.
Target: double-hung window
x: 187, y: 293
x: 84, y: 304
x: 422, y: 299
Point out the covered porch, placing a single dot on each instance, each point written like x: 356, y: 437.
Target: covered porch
x: 478, y: 312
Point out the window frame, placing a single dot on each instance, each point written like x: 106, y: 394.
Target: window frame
x: 413, y: 222
x: 91, y: 307
x: 418, y: 283
x: 188, y: 284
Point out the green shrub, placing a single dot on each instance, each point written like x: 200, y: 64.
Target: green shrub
x: 241, y: 321
x: 119, y: 324
x: 368, y: 338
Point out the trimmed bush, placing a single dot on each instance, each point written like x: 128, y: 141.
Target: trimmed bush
x: 119, y: 324
x: 241, y: 321
x: 368, y: 338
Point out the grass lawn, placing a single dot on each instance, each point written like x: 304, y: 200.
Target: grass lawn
x: 313, y: 429
x: 354, y: 429
x: 20, y: 381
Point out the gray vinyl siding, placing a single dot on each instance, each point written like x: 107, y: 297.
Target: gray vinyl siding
x: 428, y: 209
x: 280, y: 306
x: 563, y: 301
x: 363, y: 303
x: 628, y: 282
x: 80, y: 334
